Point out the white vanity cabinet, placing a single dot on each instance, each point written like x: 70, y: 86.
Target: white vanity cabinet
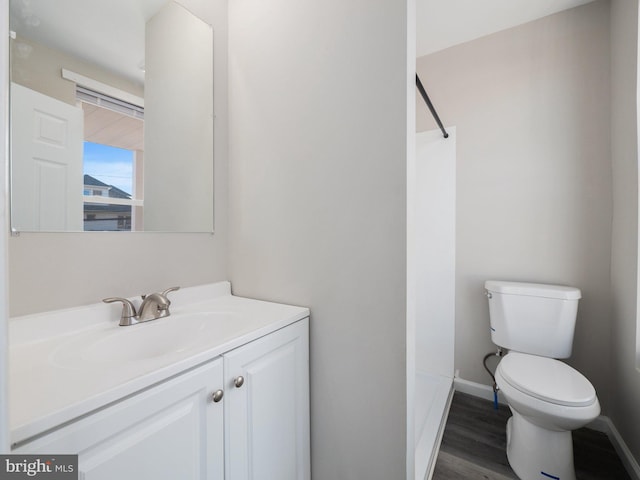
x: 173, y: 430
x: 258, y: 429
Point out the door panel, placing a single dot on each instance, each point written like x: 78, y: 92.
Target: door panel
x: 46, y: 162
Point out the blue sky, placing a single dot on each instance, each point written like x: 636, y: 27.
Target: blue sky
x: 111, y: 165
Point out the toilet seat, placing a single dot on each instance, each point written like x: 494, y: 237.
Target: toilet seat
x: 547, y: 379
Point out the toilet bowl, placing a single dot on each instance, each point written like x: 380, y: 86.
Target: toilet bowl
x: 548, y: 400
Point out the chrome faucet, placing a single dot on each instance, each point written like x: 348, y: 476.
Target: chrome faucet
x: 153, y: 306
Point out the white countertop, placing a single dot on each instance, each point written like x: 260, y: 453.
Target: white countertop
x: 55, y: 377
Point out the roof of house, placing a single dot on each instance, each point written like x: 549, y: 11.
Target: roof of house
x: 114, y: 192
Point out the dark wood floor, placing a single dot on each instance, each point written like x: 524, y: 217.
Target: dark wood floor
x: 474, y: 446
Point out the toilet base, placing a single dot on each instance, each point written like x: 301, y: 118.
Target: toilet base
x: 536, y: 453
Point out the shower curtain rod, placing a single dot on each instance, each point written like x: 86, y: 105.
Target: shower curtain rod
x: 425, y: 97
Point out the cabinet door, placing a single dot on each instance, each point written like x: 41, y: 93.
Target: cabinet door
x: 267, y: 415
x: 171, y: 431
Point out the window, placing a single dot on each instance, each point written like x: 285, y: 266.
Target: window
x: 108, y: 170
x: 113, y: 155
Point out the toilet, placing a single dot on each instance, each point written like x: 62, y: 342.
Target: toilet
x: 547, y: 397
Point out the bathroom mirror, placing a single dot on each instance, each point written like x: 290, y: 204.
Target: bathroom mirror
x: 111, y: 115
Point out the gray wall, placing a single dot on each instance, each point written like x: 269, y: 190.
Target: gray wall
x: 531, y: 106
x: 52, y: 271
x: 625, y: 402
x: 318, y: 135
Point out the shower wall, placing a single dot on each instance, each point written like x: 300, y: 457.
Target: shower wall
x: 433, y: 206
x: 435, y: 251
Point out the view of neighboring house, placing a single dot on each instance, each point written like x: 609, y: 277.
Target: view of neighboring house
x: 105, y: 216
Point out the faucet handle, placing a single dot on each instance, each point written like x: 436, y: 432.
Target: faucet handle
x: 164, y: 294
x: 169, y: 290
x: 128, y: 316
x: 164, y: 307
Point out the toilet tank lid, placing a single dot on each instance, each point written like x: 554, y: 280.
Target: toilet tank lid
x: 533, y: 289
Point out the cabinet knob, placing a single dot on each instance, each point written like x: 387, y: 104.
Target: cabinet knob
x: 239, y: 381
x: 217, y: 396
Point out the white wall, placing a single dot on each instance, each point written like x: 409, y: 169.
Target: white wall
x: 51, y: 271
x: 4, y: 224
x: 625, y: 402
x: 178, y: 170
x: 40, y: 71
x: 318, y: 136
x: 531, y: 106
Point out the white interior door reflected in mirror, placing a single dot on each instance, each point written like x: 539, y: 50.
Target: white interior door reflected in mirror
x: 46, y: 169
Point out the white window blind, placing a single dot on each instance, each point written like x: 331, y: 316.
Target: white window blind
x: 105, y: 101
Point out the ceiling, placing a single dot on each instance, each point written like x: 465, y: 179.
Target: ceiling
x: 444, y: 23
x: 112, y: 31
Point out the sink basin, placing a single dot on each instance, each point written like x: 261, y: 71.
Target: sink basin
x: 152, y: 339
x: 170, y: 336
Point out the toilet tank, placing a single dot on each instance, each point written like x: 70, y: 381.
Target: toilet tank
x: 533, y: 318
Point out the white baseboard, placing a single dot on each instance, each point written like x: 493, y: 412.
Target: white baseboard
x: 601, y: 424
x: 476, y: 389
x: 629, y: 462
